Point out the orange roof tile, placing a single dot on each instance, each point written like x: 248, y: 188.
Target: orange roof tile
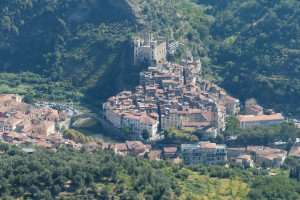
x: 253, y: 118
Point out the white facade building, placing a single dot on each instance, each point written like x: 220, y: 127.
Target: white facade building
x: 203, y: 152
x: 138, y: 123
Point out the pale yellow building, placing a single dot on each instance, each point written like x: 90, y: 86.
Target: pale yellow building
x: 250, y: 121
x: 140, y: 122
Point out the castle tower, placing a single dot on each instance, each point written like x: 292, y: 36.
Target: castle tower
x: 147, y: 50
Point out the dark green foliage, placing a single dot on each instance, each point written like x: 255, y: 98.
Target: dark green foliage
x: 69, y: 174
x: 80, y: 49
x: 262, y: 185
x: 232, y: 124
x: 84, y: 47
x: 28, y: 99
x: 295, y: 173
x: 69, y: 44
x: 145, y: 135
x: 46, y: 175
x: 222, y: 172
x: 293, y: 165
x: 285, y: 132
x: 43, y: 34
x: 37, y: 86
x: 174, y: 136
x: 257, y: 46
x: 77, y: 136
x: 275, y: 188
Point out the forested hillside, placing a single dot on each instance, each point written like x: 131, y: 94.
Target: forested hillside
x: 81, y: 50
x: 57, y: 37
x: 69, y: 174
x: 70, y: 46
x: 256, y: 46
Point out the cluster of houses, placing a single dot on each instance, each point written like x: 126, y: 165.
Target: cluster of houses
x: 134, y: 148
x: 260, y: 155
x: 141, y: 150
x: 251, y: 156
x: 152, y: 106
x: 174, y: 96
x: 209, y: 153
x: 21, y: 123
x: 171, y: 96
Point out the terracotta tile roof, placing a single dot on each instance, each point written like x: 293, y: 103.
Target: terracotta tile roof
x: 295, y: 151
x: 267, y: 152
x: 120, y: 147
x: 170, y: 150
x: 207, y: 145
x: 254, y: 118
x: 136, y: 146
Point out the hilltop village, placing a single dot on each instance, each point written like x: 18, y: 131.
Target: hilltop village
x: 176, y: 96
x: 172, y: 95
x: 169, y: 96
